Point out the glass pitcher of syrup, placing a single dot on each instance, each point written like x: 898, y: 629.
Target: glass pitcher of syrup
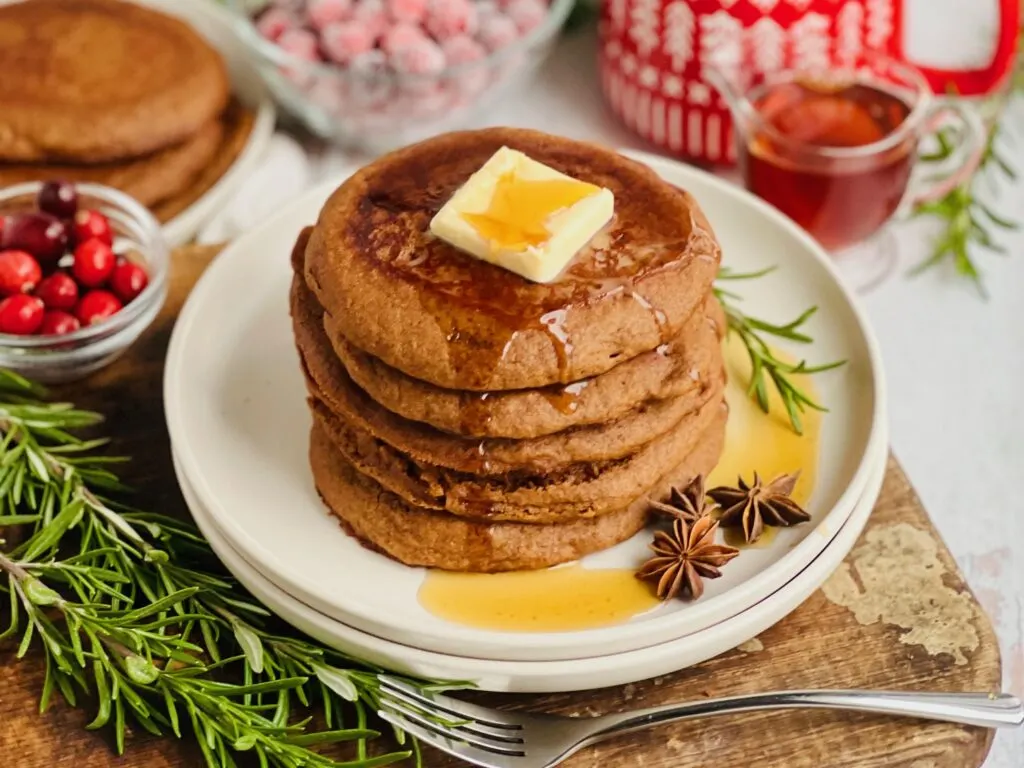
x: 837, y: 150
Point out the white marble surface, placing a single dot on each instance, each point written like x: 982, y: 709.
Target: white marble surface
x: 955, y: 363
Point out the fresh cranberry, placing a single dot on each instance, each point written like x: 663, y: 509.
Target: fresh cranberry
x: 89, y: 224
x: 20, y: 314
x: 42, y: 235
x: 58, y: 291
x: 97, y: 306
x: 94, y: 262
x: 19, y: 272
x: 59, y: 198
x: 128, y: 281
x: 57, y: 322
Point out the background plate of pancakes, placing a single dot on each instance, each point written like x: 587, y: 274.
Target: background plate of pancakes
x: 156, y: 98
x: 235, y: 397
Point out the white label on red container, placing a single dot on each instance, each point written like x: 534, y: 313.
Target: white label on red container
x: 958, y: 35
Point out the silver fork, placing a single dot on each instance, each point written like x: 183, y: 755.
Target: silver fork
x: 495, y: 739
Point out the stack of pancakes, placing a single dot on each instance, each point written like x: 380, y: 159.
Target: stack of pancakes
x: 114, y: 93
x: 465, y: 418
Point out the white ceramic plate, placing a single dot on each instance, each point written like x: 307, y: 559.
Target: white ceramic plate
x: 212, y: 21
x: 215, y: 24
x: 235, y: 403
x: 547, y: 676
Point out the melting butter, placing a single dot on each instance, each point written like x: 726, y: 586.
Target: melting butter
x: 523, y: 216
x: 520, y: 209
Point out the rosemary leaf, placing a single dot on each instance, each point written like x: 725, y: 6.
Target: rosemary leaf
x: 765, y: 366
x: 133, y: 609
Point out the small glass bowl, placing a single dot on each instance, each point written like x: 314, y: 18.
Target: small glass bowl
x: 375, y: 111
x: 138, y: 237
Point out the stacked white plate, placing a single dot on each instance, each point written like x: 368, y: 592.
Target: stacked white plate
x: 235, y: 402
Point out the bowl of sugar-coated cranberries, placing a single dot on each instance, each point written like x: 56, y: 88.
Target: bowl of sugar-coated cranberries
x: 83, y: 271
x: 373, y: 75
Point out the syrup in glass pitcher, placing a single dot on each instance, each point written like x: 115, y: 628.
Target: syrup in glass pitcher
x: 836, y: 150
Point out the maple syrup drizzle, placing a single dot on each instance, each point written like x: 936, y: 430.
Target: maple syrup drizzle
x: 555, y: 600
x: 567, y: 399
x: 554, y: 326
x: 481, y: 309
x: 659, y: 316
x: 518, y: 214
x: 574, y: 597
x: 734, y: 538
x: 474, y: 412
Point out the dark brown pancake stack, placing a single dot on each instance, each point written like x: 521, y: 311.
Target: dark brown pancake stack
x: 113, y: 93
x: 468, y: 419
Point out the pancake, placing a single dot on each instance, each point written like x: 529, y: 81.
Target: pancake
x: 572, y: 492
x: 671, y: 371
x: 149, y: 179
x: 238, y: 121
x: 439, y: 315
x: 417, y: 537
x: 93, y: 81
x: 328, y: 382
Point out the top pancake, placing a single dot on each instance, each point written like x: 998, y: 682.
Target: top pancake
x: 100, y: 80
x: 442, y: 316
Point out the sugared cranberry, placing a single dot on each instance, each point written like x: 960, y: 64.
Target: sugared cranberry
x: 323, y: 12
x: 94, y: 263
x: 57, y: 322
x: 21, y: 314
x: 447, y: 18
x: 59, y: 198
x: 128, y: 280
x: 89, y: 224
x: 19, y: 272
x: 42, y: 235
x: 345, y: 40
x: 58, y: 291
x: 97, y: 306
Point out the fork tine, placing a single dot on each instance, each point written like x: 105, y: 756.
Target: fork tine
x: 461, y: 710
x: 465, y: 752
x: 457, y: 733
x: 507, y: 735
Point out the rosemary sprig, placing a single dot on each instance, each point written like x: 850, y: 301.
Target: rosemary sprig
x: 765, y: 365
x: 133, y: 609
x: 968, y: 220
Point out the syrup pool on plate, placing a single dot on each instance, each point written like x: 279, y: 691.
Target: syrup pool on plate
x: 571, y: 598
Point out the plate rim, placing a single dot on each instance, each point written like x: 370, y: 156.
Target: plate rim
x: 540, y: 676
x: 527, y: 644
x: 181, y: 228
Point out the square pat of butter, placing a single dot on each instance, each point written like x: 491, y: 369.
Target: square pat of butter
x: 523, y: 216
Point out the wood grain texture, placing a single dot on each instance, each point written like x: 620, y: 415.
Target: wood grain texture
x: 898, y: 615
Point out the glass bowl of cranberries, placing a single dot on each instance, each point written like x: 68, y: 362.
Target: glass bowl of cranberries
x: 83, y: 271
x: 377, y: 74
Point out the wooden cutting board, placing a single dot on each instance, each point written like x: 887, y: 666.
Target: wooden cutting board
x: 897, y: 615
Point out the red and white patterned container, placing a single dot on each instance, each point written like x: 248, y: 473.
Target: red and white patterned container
x: 653, y: 53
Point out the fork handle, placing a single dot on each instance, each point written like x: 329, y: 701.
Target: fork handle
x: 980, y: 709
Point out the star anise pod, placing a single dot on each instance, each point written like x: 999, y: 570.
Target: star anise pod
x: 689, y: 504
x: 684, y: 557
x: 752, y: 507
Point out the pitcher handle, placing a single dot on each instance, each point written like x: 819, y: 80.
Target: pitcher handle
x: 933, y: 181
